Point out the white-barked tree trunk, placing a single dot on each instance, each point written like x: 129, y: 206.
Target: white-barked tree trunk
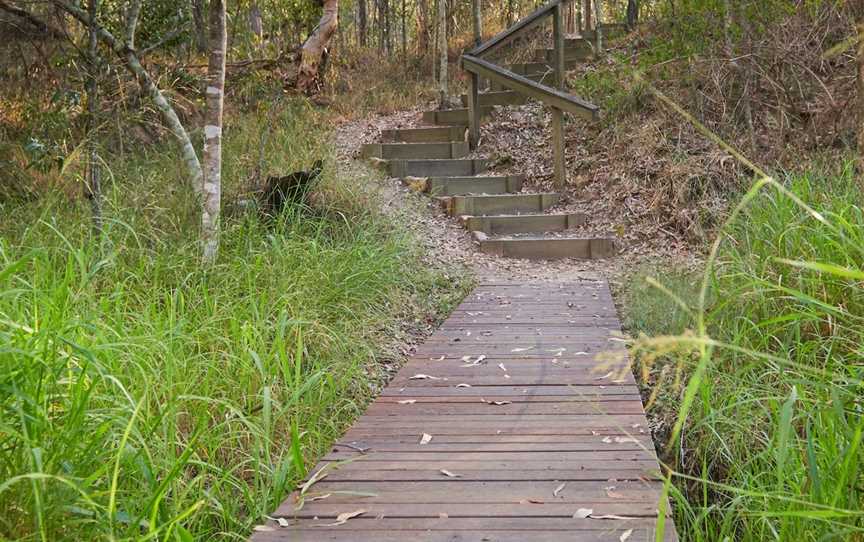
x: 212, y: 189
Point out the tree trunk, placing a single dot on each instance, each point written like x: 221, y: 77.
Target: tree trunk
x: 442, y: 53
x: 130, y: 60
x: 361, y: 22
x: 200, y: 25
x: 859, y: 24
x: 388, y: 29
x: 94, y: 169
x: 423, y: 26
x: 477, y: 13
x: 598, y: 9
x: 632, y: 13
x: 213, y: 132
x: 315, y: 46
x: 586, y: 11
x: 256, y: 25
x: 509, y: 14
x: 404, y: 28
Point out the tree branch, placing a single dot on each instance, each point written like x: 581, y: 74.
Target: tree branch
x: 130, y: 60
x: 34, y: 21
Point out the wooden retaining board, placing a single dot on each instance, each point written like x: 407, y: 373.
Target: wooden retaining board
x: 515, y: 452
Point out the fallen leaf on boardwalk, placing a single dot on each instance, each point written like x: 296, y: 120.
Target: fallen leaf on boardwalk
x: 611, y: 516
x: 626, y: 534
x: 613, y: 494
x: 407, y: 402
x: 343, y: 518
x: 531, y: 501
x: 424, y: 377
x: 583, y: 513
x: 443, y: 515
x: 263, y: 528
x: 496, y: 402
x: 473, y: 313
x: 437, y: 359
x: 607, y: 375
x: 559, y: 350
x: 580, y: 353
x: 522, y: 349
x: 559, y: 489
x: 607, y: 440
x: 281, y: 521
x: 317, y: 477
x: 622, y: 440
x: 472, y: 363
x: 617, y: 339
x: 463, y: 385
x: 619, y: 381
x: 449, y: 474
x: 318, y: 497
x: 425, y: 438
x: 501, y: 366
x: 506, y: 376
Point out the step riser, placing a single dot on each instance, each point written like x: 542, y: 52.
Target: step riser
x: 436, y: 168
x: 458, y: 117
x: 570, y: 55
x: 498, y: 98
x: 424, y: 135
x: 407, y: 151
x: 457, y: 186
x: 546, y: 78
x: 550, y: 249
x: 500, y: 205
x: 505, y: 225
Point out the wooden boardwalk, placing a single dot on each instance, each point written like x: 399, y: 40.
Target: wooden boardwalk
x: 518, y: 420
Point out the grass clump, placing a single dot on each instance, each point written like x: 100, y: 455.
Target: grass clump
x: 144, y: 397
x: 772, y: 390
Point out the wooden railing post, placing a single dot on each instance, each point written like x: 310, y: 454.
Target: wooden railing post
x: 558, y: 142
x: 473, y: 110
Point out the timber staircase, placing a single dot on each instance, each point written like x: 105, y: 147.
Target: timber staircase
x: 504, y: 219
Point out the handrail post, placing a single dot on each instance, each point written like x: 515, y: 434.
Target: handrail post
x: 558, y: 142
x: 473, y: 110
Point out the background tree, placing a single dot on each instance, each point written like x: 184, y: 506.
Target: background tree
x: 315, y: 46
x: 213, y: 131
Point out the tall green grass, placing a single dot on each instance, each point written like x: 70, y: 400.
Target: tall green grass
x: 767, y: 382
x: 143, y: 397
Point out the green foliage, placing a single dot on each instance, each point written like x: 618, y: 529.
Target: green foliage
x: 772, y: 448
x: 144, y: 397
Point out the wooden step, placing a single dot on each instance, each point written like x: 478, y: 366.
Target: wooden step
x: 503, y: 204
x: 501, y: 97
x: 547, y: 78
x: 424, y: 135
x: 547, y: 248
x: 535, y: 68
x: 457, y: 117
x: 436, y: 168
x: 570, y: 55
x: 389, y: 151
x: 458, y: 186
x: 509, y: 224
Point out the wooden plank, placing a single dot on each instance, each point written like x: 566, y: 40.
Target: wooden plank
x: 562, y: 437
x: 473, y: 110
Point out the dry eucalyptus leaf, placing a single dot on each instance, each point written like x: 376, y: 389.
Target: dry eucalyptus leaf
x: 611, y: 516
x: 449, y: 474
x: 407, y: 402
x: 559, y: 489
x: 607, y: 375
x: 263, y: 528
x: 607, y: 440
x: 496, y: 402
x: 343, y: 518
x: 437, y: 359
x: 501, y: 366
x: 614, y: 494
x: 318, y: 497
x: 622, y: 440
x: 522, y: 349
x: 425, y: 438
x: 424, y: 377
x: 583, y: 513
x: 463, y: 385
x: 625, y: 535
